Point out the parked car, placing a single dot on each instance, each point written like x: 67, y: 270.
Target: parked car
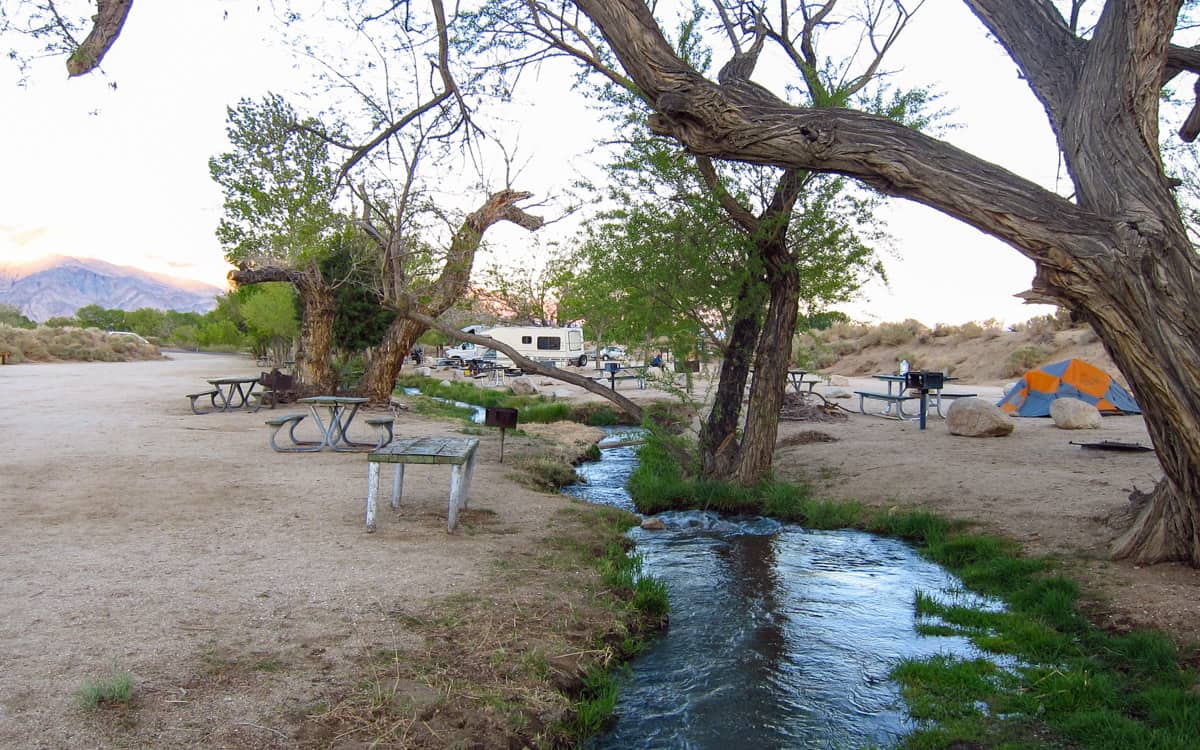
x: 612, y: 352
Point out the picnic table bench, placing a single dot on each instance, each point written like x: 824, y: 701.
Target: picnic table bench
x: 896, y: 399
x: 937, y: 396
x: 212, y: 397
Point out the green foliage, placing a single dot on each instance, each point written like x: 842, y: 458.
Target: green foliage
x: 277, y: 182
x: 148, y: 322
x: 359, y: 321
x: 10, y: 315
x: 116, y: 688
x: 270, y: 317
x: 94, y: 316
x: 1025, y: 358
x: 821, y: 321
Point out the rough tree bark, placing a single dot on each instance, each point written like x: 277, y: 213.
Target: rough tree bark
x: 379, y: 380
x: 314, y: 349
x: 106, y: 27
x: 767, y: 336
x: 1118, y: 255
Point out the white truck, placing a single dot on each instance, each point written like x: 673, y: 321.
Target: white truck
x: 562, y: 346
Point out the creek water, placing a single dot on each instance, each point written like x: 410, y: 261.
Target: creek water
x: 779, y: 637
x: 477, y: 412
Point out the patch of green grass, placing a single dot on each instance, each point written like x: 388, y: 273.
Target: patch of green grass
x: 544, y: 473
x: 596, y: 703
x: 1069, y: 685
x: 428, y: 407
x: 116, y: 688
x: 530, y: 409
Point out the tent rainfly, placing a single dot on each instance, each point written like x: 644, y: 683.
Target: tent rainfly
x: 1071, y: 378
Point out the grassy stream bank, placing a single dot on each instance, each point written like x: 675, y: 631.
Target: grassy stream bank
x: 1055, y: 680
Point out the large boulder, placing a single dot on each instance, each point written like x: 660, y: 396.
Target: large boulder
x: 839, y: 380
x: 974, y: 417
x: 832, y: 393
x: 523, y: 387
x: 1073, y: 414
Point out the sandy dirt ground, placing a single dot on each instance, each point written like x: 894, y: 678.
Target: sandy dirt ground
x: 177, y: 547
x: 183, y: 550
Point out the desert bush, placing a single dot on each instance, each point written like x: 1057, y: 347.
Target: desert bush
x: 898, y: 334
x: 44, y: 344
x: 843, y: 331
x: 941, y: 331
x: 872, y: 337
x: 1025, y: 358
x: 970, y: 330
x: 842, y: 348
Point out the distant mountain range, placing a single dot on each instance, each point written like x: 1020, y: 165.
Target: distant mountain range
x: 57, y: 286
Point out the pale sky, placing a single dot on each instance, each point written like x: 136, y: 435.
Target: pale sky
x: 123, y: 176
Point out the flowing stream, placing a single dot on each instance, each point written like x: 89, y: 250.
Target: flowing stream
x: 780, y: 637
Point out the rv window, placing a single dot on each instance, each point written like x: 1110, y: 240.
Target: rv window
x: 527, y: 340
x: 553, y: 343
x: 575, y: 340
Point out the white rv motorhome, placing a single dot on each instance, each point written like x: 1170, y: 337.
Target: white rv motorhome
x: 562, y: 346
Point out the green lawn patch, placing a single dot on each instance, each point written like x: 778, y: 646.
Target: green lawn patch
x: 1056, y: 680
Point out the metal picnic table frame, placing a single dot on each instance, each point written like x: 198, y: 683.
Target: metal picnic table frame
x: 458, y: 453
x: 231, y: 388
x: 334, y: 431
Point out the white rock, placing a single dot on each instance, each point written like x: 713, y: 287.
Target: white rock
x: 1073, y: 414
x: 523, y: 387
x: 974, y: 417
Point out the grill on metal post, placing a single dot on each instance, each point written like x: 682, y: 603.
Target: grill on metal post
x: 499, y: 416
x: 924, y: 381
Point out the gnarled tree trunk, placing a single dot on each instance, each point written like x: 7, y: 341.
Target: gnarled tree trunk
x: 313, y: 350
x: 771, y: 361
x: 379, y: 380
x: 718, y: 443
x: 1118, y: 253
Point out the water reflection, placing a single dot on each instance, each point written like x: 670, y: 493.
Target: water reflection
x: 780, y: 637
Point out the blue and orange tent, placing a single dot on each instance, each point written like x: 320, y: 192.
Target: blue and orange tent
x: 1071, y: 378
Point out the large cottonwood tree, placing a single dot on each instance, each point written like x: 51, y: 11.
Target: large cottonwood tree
x: 1117, y: 254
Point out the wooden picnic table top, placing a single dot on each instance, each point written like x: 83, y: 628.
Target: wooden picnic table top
x: 234, y: 380
x: 427, y: 450
x: 318, y: 400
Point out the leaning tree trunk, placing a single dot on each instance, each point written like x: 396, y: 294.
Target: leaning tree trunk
x: 718, y: 441
x: 387, y: 359
x: 379, y: 379
x: 770, y: 371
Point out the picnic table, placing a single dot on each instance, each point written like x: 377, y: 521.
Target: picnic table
x: 227, y: 393
x: 335, y: 430
x: 613, y: 371
x: 457, y: 453
x: 896, y: 384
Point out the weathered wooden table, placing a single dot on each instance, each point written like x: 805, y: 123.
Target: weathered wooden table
x: 459, y: 453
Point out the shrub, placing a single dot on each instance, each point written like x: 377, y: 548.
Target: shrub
x: 1025, y: 358
x: 896, y: 334
x: 970, y: 330
x: 115, y: 688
